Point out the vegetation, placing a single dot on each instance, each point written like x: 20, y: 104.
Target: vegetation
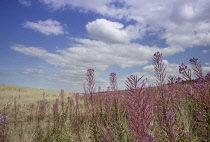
x: 170, y: 112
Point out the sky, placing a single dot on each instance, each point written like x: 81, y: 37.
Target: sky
x: 50, y: 44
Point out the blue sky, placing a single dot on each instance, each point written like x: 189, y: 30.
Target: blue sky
x: 50, y: 44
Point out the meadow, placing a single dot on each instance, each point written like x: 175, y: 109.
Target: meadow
x: 177, y: 109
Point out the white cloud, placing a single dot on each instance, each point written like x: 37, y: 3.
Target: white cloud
x: 188, y: 35
x: 85, y: 4
x: 93, y: 54
x: 205, y: 70
x: 25, y: 2
x: 111, y: 32
x: 47, y: 27
x: 207, y: 63
x: 185, y: 23
x: 73, y: 77
x: 39, y: 52
x: 96, y: 54
x: 34, y: 72
x: 205, y: 51
x: 149, y: 68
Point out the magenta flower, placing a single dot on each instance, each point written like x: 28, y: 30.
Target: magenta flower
x: 199, y: 112
x: 4, y: 120
x: 187, y: 133
x: 113, y: 82
x: 182, y: 68
x: 159, y: 107
x: 90, y: 70
x: 208, y: 74
x: 108, y: 128
x: 188, y: 87
x: 193, y: 60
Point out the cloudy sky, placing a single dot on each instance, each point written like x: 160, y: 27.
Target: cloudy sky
x: 50, y: 44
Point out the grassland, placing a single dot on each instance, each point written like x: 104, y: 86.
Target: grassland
x: 170, y: 112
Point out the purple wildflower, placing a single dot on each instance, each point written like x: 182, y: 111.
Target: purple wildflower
x: 159, y: 107
x: 113, y: 74
x: 202, y: 79
x: 90, y: 77
x: 149, y: 139
x: 4, y: 119
x: 160, y: 68
x: 193, y: 60
x: 108, y: 128
x: 158, y: 55
x: 196, y: 67
x: 169, y: 92
x: 182, y: 68
x: 195, y: 85
x: 90, y: 70
x: 188, y: 87
x: 179, y: 79
x: 208, y: 74
x: 87, y: 114
x: 198, y: 112
x: 170, y: 114
x: 113, y: 81
x: 187, y: 133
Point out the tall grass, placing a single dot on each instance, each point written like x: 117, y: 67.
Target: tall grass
x: 169, y: 112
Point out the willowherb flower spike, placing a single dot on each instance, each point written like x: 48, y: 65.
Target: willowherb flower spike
x: 182, y: 68
x: 186, y: 73
x: 138, y: 108
x: 196, y: 66
x: 135, y: 85
x: 90, y: 77
x: 55, y: 107
x: 62, y: 99
x: 179, y: 79
x: 172, y: 79
x: 208, y: 75
x: 159, y: 67
x: 113, y: 81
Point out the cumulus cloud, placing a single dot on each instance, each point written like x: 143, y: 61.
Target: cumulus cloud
x: 188, y: 35
x: 96, y: 54
x: 47, y: 27
x: 111, y: 32
x: 25, y: 2
x: 185, y: 23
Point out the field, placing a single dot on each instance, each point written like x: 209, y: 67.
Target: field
x: 169, y: 112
